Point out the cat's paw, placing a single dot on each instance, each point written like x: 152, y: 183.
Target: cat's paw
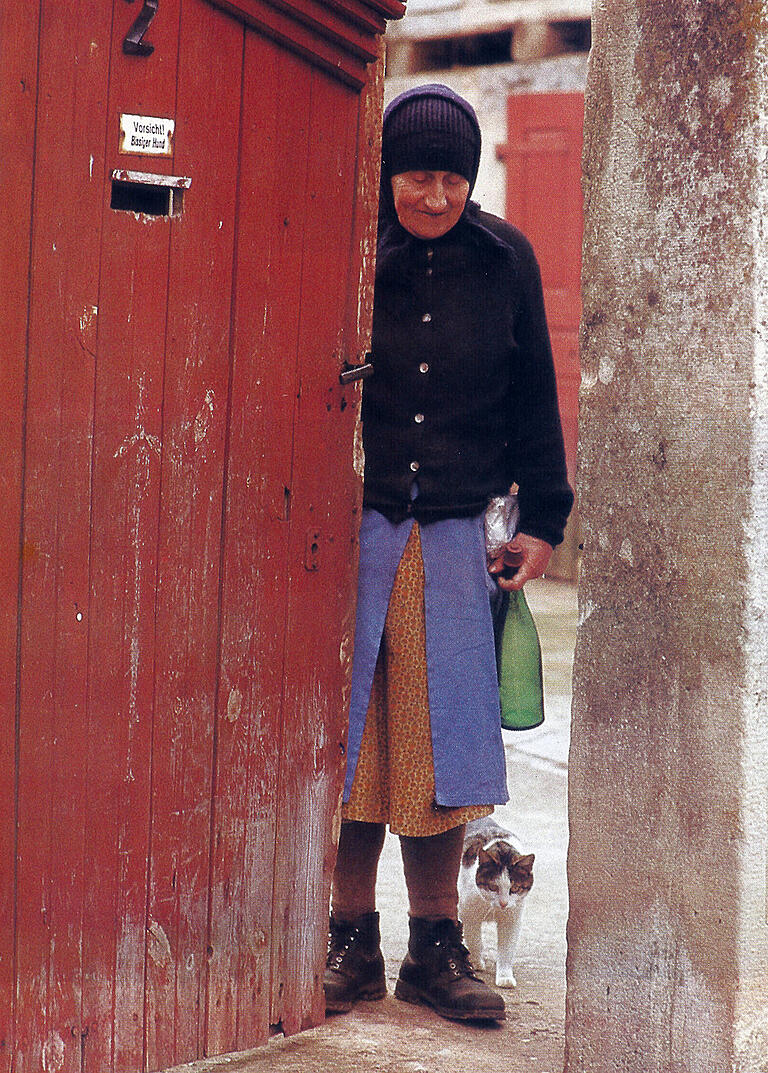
x: 505, y: 979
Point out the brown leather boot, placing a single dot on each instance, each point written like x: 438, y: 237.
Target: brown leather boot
x: 354, y: 968
x: 437, y: 971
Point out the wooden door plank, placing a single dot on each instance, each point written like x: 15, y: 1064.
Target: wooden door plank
x: 318, y: 598
x: 259, y: 503
x: 125, y: 446
x: 126, y: 493
x: 362, y: 253
x: 18, y: 88
x: 194, y: 429
x: 54, y: 636
x: 336, y: 55
x: 125, y: 506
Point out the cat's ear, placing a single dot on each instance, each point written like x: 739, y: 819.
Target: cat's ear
x: 525, y: 864
x: 483, y: 856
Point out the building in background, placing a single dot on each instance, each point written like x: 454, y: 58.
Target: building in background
x: 523, y: 65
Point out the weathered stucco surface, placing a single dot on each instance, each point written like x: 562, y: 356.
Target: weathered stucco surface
x: 668, y: 942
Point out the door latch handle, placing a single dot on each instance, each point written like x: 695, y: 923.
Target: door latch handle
x: 350, y: 373
x: 134, y: 45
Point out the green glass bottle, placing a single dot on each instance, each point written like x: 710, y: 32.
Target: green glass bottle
x: 520, y: 677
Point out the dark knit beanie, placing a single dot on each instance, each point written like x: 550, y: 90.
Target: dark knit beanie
x: 430, y: 128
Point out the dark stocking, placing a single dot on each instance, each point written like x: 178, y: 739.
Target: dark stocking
x: 354, y: 878
x: 431, y: 868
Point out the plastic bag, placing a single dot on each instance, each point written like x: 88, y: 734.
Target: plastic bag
x: 502, y: 517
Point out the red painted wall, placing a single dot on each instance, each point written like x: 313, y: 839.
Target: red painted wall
x: 543, y: 158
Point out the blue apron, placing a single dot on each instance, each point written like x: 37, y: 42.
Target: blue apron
x: 467, y: 747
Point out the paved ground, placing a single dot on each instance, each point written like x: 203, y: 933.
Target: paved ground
x: 394, y: 1037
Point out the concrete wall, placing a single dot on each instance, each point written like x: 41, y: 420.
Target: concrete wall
x: 668, y: 943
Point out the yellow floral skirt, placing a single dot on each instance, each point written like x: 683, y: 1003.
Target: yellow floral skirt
x: 394, y: 778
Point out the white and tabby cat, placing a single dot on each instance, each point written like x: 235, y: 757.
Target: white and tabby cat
x: 496, y: 874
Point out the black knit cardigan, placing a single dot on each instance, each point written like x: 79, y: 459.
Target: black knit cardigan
x: 463, y: 395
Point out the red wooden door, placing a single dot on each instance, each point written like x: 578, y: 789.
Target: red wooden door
x: 181, y: 476
x: 543, y: 158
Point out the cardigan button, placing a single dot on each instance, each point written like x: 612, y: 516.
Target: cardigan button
x: 426, y: 318
x: 418, y: 418
x: 424, y: 367
x: 414, y: 467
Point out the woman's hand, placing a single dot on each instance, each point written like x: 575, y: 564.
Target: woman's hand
x: 536, y: 555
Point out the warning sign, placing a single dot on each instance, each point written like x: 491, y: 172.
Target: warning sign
x: 146, y: 135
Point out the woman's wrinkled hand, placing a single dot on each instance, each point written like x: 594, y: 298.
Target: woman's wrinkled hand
x: 533, y: 556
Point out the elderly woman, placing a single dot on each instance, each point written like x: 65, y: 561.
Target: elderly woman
x: 462, y: 404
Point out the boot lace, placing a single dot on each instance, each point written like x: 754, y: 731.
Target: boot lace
x: 457, y: 958
x: 339, y: 942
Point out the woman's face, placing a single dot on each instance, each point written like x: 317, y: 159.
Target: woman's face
x: 429, y: 203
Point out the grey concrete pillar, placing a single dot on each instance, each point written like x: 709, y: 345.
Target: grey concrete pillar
x: 668, y: 942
